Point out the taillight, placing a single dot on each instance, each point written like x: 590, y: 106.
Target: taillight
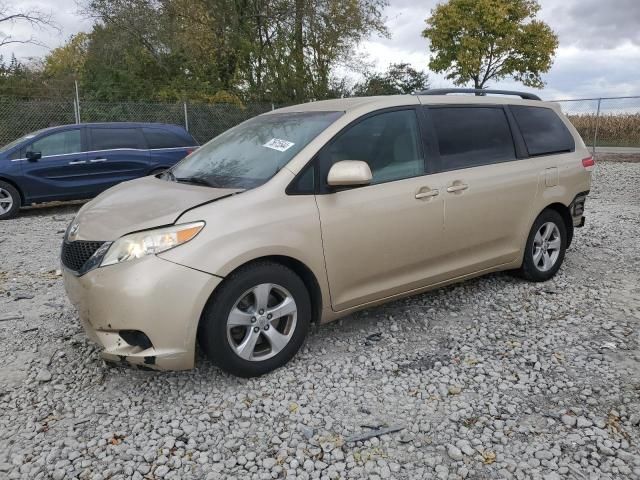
x: 189, y: 151
x: 588, y: 163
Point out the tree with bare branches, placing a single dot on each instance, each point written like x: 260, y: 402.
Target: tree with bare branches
x: 11, y: 16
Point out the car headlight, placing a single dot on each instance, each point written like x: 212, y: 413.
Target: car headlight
x: 150, y: 242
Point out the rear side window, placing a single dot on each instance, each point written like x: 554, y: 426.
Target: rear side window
x: 59, y: 143
x: 543, y: 131
x: 161, y: 138
x: 472, y: 136
x: 112, y: 138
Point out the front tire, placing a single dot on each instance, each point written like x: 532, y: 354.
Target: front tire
x: 9, y: 201
x: 546, y: 247
x: 257, y: 320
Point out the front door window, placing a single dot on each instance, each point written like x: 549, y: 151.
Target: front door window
x: 59, y: 143
x: 389, y: 142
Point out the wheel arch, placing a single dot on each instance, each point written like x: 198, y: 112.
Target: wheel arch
x: 564, y: 212
x: 15, y: 185
x: 299, y: 268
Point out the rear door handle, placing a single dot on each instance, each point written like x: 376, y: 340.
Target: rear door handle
x: 78, y: 162
x: 427, y: 194
x: 98, y: 160
x: 457, y: 188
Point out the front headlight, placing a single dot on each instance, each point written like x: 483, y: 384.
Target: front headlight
x: 150, y: 242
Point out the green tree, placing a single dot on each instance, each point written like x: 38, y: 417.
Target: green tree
x: 399, y: 78
x: 482, y: 40
x: 280, y: 51
x: 68, y: 60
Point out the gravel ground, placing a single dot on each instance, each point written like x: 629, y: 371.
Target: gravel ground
x: 493, y: 378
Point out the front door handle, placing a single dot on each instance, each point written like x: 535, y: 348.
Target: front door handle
x: 78, y: 162
x: 427, y: 194
x: 457, y: 187
x: 98, y: 160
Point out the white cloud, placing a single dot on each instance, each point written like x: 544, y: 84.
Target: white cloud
x: 63, y: 12
x: 599, y: 52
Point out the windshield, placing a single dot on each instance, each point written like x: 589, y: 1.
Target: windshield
x: 249, y: 154
x: 19, y: 140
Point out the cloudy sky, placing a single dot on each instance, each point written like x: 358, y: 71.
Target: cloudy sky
x: 599, y: 53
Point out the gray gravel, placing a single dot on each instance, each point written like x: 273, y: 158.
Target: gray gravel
x: 493, y: 378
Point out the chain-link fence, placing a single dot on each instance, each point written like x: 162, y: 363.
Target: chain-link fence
x: 204, y: 121
x: 603, y: 122
x: 606, y: 123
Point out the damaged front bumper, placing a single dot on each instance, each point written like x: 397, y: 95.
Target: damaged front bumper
x: 144, y: 312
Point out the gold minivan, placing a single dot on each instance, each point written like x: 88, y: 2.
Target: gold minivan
x: 310, y: 212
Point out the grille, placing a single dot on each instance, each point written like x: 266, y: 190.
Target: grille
x: 75, y: 254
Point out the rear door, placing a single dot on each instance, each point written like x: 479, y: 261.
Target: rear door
x: 60, y: 173
x: 167, y: 146
x: 488, y: 188
x: 116, y: 154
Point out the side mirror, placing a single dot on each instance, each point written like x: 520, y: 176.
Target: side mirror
x: 349, y: 173
x: 33, y: 156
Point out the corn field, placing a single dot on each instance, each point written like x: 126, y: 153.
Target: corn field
x: 614, y: 130
x: 610, y: 122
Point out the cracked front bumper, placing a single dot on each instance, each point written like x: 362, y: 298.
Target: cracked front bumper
x: 158, y: 298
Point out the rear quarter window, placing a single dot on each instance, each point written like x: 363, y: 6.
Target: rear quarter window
x: 543, y: 131
x: 164, y: 138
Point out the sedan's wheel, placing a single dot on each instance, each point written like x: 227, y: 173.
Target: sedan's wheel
x: 545, y: 247
x: 256, y: 320
x: 9, y: 201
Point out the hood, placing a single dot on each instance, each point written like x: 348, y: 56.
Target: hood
x: 140, y: 204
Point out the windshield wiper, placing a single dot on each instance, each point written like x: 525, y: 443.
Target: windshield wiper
x: 193, y: 181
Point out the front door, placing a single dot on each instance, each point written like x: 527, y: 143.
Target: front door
x: 382, y: 239
x: 59, y: 174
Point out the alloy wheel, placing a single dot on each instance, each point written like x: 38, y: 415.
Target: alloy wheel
x: 6, y: 201
x: 262, y: 322
x: 546, y: 246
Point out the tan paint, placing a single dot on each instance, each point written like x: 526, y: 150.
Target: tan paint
x: 140, y: 204
x: 364, y: 245
x: 159, y: 298
x: 349, y: 173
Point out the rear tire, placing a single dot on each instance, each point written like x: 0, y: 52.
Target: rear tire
x: 9, y: 201
x: 545, y: 248
x: 257, y: 320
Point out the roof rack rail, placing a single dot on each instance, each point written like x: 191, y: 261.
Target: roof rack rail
x: 481, y: 91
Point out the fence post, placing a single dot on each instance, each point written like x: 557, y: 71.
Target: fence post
x: 186, y: 116
x: 595, y: 133
x: 77, y: 102
x: 75, y: 111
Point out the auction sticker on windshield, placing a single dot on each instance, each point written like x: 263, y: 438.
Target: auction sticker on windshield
x: 279, y: 144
